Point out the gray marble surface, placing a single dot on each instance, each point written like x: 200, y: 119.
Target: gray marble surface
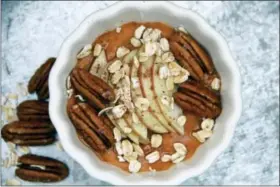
x: 33, y: 31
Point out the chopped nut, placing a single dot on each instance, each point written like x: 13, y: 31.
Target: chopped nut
x: 163, y: 72
x: 121, y: 159
x: 207, y: 124
x: 134, y: 166
x: 142, y: 103
x: 147, y: 35
x: 152, y: 157
x: 147, y: 32
x: 155, y: 35
x: 136, y: 62
x: 143, y: 57
x: 115, y: 66
x: 215, y: 85
x: 202, y: 135
x: 99, y: 64
x: 117, y: 134
x: 135, y: 82
x: 97, y: 50
x: 138, y: 149
x: 139, y: 31
x: 118, y: 147
x: 169, y: 83
x: 182, y: 120
x: 119, y: 111
x: 127, y: 147
x: 164, y: 44
x: 85, y: 51
x: 122, y: 51
x: 165, y: 100
x: 180, y: 148
x: 12, y: 182
x: 117, y: 76
x: 118, y: 29
x: 135, y: 42
x: 125, y: 69
x: 131, y: 157
x: 179, y: 159
x: 150, y: 48
x: 167, y: 57
x: 166, y: 158
x: 175, y: 155
x: 156, y: 140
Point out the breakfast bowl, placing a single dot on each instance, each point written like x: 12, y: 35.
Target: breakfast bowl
x: 110, y: 18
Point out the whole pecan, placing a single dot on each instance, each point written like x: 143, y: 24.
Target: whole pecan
x: 97, y: 92
x: 31, y: 133
x: 39, y: 81
x: 195, y: 98
x: 41, y: 169
x: 191, y: 55
x: 90, y: 127
x: 33, y: 110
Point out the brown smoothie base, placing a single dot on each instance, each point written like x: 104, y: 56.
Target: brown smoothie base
x: 111, y: 40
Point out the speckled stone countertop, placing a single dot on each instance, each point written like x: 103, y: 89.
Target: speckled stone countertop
x: 34, y: 31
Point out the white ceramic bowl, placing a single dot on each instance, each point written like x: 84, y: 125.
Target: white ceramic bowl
x: 167, y: 12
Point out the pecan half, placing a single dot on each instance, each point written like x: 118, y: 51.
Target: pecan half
x: 33, y: 110
x: 95, y: 90
x: 107, y: 121
x: 41, y: 169
x: 191, y: 55
x: 39, y: 81
x: 91, y: 128
x: 197, y: 99
x: 31, y: 133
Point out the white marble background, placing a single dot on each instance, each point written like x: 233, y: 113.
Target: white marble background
x: 33, y: 31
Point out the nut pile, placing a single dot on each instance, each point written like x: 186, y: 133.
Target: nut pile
x: 32, y: 127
